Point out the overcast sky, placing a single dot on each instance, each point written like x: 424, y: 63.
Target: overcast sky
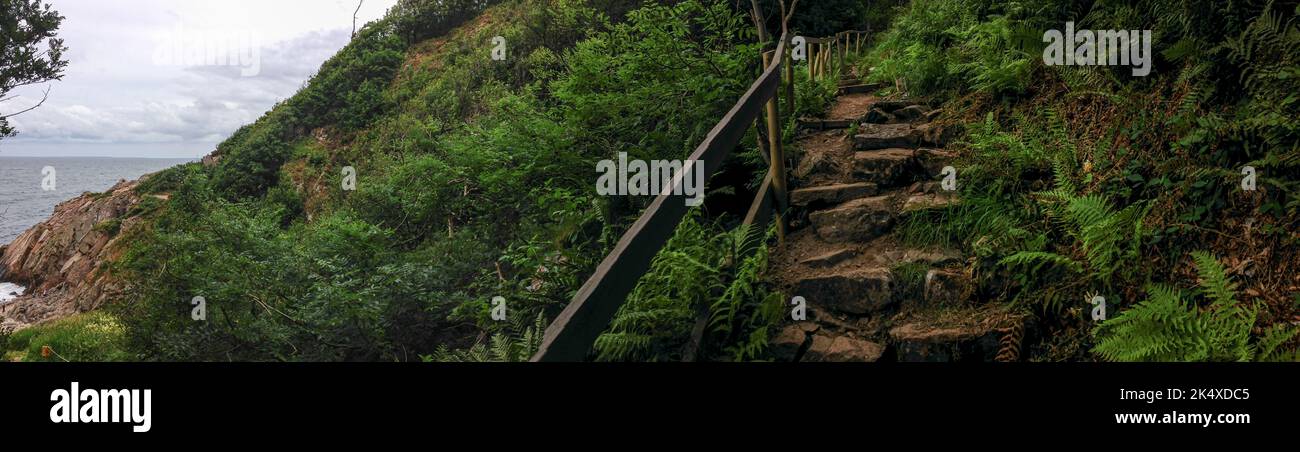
x: 171, y: 78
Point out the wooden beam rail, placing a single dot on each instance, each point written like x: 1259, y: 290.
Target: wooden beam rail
x: 571, y: 335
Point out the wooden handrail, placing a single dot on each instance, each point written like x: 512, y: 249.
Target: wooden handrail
x: 571, y: 335
x: 574, y: 331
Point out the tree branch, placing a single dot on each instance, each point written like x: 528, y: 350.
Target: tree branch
x: 38, y: 104
x: 359, y: 11
x: 760, y: 22
x: 786, y: 15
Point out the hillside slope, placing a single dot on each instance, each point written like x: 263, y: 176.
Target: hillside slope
x: 471, y: 182
x: 1098, y: 214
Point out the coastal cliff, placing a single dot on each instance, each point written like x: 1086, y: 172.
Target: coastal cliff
x: 60, y: 260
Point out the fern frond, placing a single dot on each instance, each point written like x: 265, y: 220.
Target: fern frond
x: 1269, y: 348
x: 1036, y: 260
x: 1215, y: 281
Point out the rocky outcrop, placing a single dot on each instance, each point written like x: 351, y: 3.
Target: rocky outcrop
x: 61, y: 261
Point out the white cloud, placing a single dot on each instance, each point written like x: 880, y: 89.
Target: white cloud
x: 114, y: 94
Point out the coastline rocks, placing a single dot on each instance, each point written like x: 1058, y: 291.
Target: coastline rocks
x: 59, y: 260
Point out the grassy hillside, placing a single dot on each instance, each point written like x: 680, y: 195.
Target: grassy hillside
x: 1087, y: 181
x: 474, y: 180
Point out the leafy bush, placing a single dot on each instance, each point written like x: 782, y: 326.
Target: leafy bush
x: 91, y: 337
x: 460, y: 156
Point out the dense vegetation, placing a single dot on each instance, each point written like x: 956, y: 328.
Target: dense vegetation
x: 474, y: 181
x: 1081, y: 182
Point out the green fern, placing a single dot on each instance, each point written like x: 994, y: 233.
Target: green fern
x: 698, y: 270
x: 500, y: 347
x: 1214, y: 279
x: 1162, y: 328
x: 1035, y: 261
x: 1170, y: 326
x: 1109, y: 238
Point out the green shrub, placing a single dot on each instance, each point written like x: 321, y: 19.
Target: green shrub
x: 94, y: 336
x: 109, y: 227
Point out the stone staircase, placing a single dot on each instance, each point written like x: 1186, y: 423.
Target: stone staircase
x: 869, y: 297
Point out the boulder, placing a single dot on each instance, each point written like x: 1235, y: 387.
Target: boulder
x: 791, y: 339
x: 935, y: 134
x: 858, y: 220
x: 859, y: 291
x: 947, y: 287
x: 910, y: 113
x: 842, y: 349
x: 878, y: 116
x: 816, y: 164
x: 933, y: 161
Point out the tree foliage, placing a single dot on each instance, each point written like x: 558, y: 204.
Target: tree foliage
x: 30, y: 51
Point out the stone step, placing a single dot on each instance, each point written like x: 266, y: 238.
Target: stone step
x: 961, y: 334
x: 860, y: 220
x: 909, y: 114
x: 858, y: 291
x: 884, y: 136
x: 842, y: 349
x: 933, y: 257
x: 884, y: 167
x: 825, y: 124
x: 831, y: 194
x: 928, y: 201
x: 830, y: 259
x: 891, y: 106
x: 865, y: 88
x: 808, y: 342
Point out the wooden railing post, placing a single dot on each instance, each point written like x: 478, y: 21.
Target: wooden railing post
x: 789, y: 75
x: 774, y: 137
x: 825, y: 60
x: 807, y: 57
x: 820, y: 55
x: 842, y: 41
x: 778, y: 153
